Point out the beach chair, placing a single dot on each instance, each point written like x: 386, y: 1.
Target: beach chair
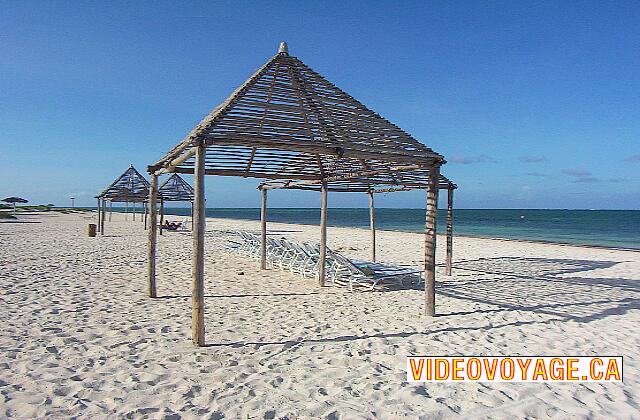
x: 300, y: 259
x: 235, y: 244
x: 367, y: 274
x: 183, y: 225
x: 250, y: 244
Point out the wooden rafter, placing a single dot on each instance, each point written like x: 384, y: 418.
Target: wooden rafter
x: 131, y: 186
x: 176, y: 189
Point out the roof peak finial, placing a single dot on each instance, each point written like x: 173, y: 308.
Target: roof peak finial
x: 283, y: 48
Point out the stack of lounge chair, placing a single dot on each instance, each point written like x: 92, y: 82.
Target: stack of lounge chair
x: 303, y: 259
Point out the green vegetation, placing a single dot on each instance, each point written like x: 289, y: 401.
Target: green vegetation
x: 6, y: 215
x: 50, y: 207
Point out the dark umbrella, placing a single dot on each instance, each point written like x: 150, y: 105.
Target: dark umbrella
x: 15, y: 200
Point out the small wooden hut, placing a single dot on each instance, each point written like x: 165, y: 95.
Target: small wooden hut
x: 130, y: 187
x: 288, y: 123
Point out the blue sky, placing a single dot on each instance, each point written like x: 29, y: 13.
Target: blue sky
x: 534, y: 104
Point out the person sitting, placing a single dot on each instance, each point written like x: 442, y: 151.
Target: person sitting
x: 171, y: 225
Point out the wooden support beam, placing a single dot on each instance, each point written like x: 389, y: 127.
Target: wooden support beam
x: 99, y: 214
x: 170, y: 167
x: 430, y: 243
x: 133, y: 210
x: 449, y: 259
x: 372, y: 224
x: 102, y: 216
x: 323, y: 235
x: 110, y: 209
x: 263, y: 231
x: 348, y: 176
x: 250, y: 174
x: 197, y: 296
x: 126, y: 210
x: 152, y: 238
x: 192, y: 216
x: 161, y: 215
x: 146, y: 215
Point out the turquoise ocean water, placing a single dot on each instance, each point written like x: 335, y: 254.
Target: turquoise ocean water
x: 607, y: 228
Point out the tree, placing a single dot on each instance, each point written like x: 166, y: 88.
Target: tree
x: 14, y: 200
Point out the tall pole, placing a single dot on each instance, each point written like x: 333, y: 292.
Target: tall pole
x: 372, y: 224
x: 103, y: 216
x: 110, y: 209
x: 133, y: 210
x: 146, y: 214
x: 263, y: 231
x: 323, y: 235
x: 430, y: 243
x: 192, y: 216
x: 161, y: 215
x: 153, y: 213
x: 99, y: 212
x: 197, y: 297
x: 126, y: 210
x: 449, y: 259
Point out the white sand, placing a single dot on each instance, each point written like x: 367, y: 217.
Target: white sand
x: 80, y: 337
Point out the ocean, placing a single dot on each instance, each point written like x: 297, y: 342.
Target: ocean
x: 606, y: 228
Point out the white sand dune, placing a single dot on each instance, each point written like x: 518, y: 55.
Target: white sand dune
x: 81, y: 339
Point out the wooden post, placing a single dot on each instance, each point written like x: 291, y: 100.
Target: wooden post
x: 323, y: 235
x: 197, y: 297
x: 133, y: 210
x: 103, y: 216
x: 110, y: 209
x: 372, y: 224
x: 449, y: 231
x: 192, y: 216
x: 161, y: 215
x: 126, y: 210
x: 146, y: 214
x: 263, y: 225
x: 430, y: 243
x: 99, y: 213
x: 151, y: 255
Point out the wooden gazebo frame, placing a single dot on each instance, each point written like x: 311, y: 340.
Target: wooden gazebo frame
x: 130, y: 187
x: 175, y: 189
x: 288, y: 123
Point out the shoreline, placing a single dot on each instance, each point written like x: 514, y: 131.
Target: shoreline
x: 496, y: 238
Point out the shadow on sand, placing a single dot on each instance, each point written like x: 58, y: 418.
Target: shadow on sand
x: 560, y: 289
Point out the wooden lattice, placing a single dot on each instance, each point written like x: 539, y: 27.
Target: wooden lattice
x: 176, y: 189
x: 287, y: 122
x: 131, y: 186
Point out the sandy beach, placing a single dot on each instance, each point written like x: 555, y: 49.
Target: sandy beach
x: 80, y: 338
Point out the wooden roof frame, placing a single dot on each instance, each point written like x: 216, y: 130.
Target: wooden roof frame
x: 363, y: 183
x: 130, y: 186
x: 176, y: 189
x: 288, y: 122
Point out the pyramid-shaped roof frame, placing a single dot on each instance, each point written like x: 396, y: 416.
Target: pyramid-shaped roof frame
x: 176, y: 189
x: 131, y: 186
x: 288, y: 122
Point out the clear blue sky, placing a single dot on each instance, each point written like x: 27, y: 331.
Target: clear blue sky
x: 534, y: 104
